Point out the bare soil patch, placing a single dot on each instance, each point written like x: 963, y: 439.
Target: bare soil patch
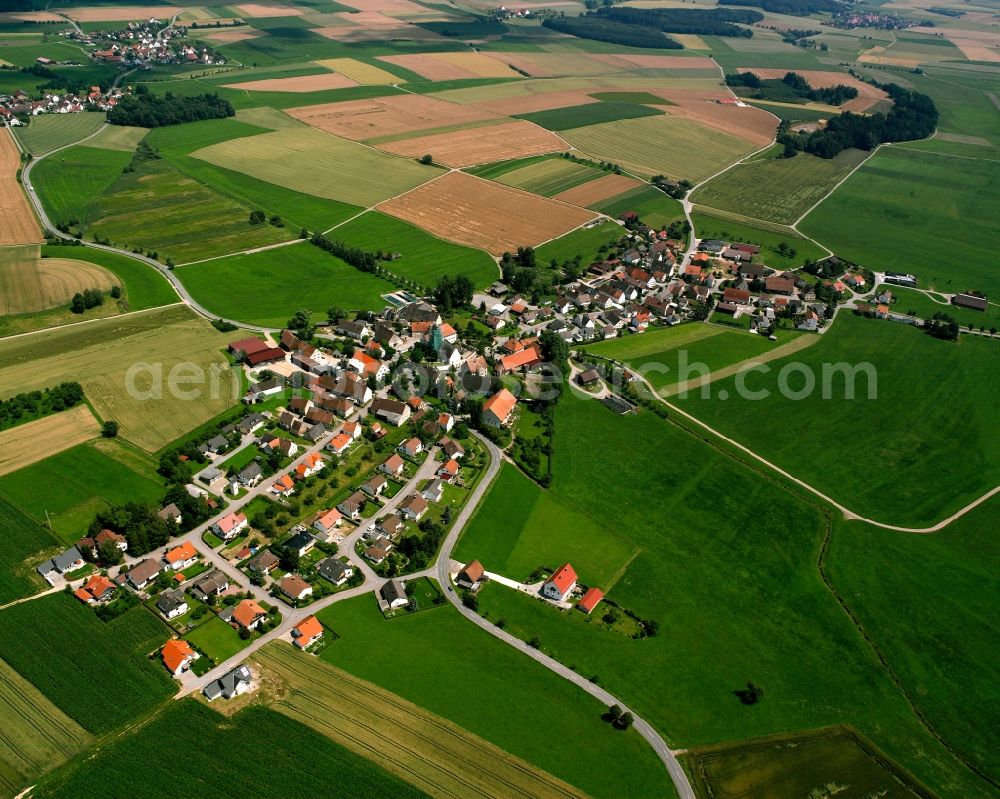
x: 234, y: 35
x: 17, y: 221
x: 267, y: 10
x: 656, y: 61
x: 386, y: 116
x: 428, y: 67
x: 753, y: 124
x: 468, y: 210
x: 529, y: 103
x: 118, y: 13
x: 29, y: 16
x: 481, y: 145
x: 387, y: 6
x: 595, y: 191
x: 302, y: 84
x: 29, y: 443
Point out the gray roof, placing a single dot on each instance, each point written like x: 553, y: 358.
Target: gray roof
x: 251, y: 472
x: 333, y: 569
x: 61, y: 562
x: 393, y: 590
x: 225, y: 686
x: 169, y: 601
x: 300, y: 541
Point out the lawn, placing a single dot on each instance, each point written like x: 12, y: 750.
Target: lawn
x: 425, y: 258
x: 711, y: 227
x: 911, y: 302
x: 431, y: 752
x: 266, y: 288
x: 654, y: 207
x: 88, y: 481
x: 660, y: 145
x: 159, y: 343
x: 889, y: 448
x: 140, y: 764
x: 95, y: 672
x: 70, y: 183
x: 934, y: 215
x: 192, y: 221
x: 726, y: 564
x: 216, y: 639
x: 579, y: 116
x: 493, y: 692
x: 584, y: 243
x: 316, y: 163
x: 796, y: 764
x: 51, y: 131
x: 929, y: 603
x: 778, y: 189
x: 23, y: 539
x: 550, y: 176
x: 37, y: 735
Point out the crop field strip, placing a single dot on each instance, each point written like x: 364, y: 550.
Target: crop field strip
x: 591, y: 193
x: 35, y: 736
x: 34, y: 441
x: 428, y: 751
x: 361, y: 72
x: 551, y: 177
x: 51, y: 131
x: 29, y: 283
x: 20, y: 225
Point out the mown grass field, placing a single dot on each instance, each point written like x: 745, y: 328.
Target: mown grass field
x: 71, y: 183
x: 89, y: 479
x: 934, y: 215
x: 582, y: 242
x: 549, y: 177
x: 425, y: 258
x: 493, y: 692
x: 37, y: 736
x: 159, y: 208
x: 660, y: 145
x: 722, y: 547
x: 712, y: 227
x: 937, y: 633
x: 28, y: 284
x: 95, y: 672
x: 579, y: 116
x: 118, y: 137
x: 654, y: 207
x: 23, y: 539
x: 434, y: 754
x: 909, y: 301
x: 796, y: 764
x: 266, y: 288
x: 100, y: 355
x: 912, y: 439
x: 778, y: 189
x: 143, y: 762
x: 144, y: 286
x: 316, y: 163
x: 51, y: 131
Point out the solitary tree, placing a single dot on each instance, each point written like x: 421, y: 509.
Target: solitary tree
x: 110, y: 429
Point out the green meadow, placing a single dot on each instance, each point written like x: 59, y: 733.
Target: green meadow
x: 144, y: 286
x: 727, y: 566
x: 51, y: 131
x: 711, y: 227
x: 584, y: 243
x: 494, y: 692
x: 935, y: 217
x: 654, y: 207
x: 265, y: 288
x: 23, y: 539
x: 70, y: 183
x: 580, y: 116
x: 929, y: 424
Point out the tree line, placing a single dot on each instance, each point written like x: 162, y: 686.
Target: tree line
x: 795, y: 8
x: 147, y: 110
x: 604, y: 30
x: 709, y: 22
x: 790, y: 88
x: 35, y: 404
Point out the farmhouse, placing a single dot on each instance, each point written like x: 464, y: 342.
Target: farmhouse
x: 393, y: 411
x: 497, y: 410
x: 471, y: 576
x: 559, y: 585
x: 236, y: 682
x: 307, y: 632
x: 269, y: 355
x: 177, y: 656
x: 248, y: 346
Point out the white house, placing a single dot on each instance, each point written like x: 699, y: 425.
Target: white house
x: 560, y: 584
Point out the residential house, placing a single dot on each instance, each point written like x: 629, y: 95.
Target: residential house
x: 181, y: 556
x: 559, y: 585
x: 177, y: 655
x: 169, y: 513
x: 215, y: 445
x: 110, y: 536
x: 310, y: 465
x: 392, y: 525
x: 367, y: 366
x: 294, y: 587
x: 434, y: 490
x: 327, y: 521
x: 210, y: 585
x: 247, y: 614
x: 142, y: 574
x: 251, y: 423
x: 172, y: 604
x: 498, y: 409
x: 413, y: 507
x: 590, y: 600
x: 300, y: 543
x: 284, y: 486
x: 263, y: 563
x: 257, y: 392
x: 394, y: 593
x: 231, y: 525
x: 307, y: 632
x: 340, y: 443
x: 375, y: 485
x: 392, y: 411
x: 393, y: 466
x: 412, y: 447
x: 250, y: 475
x: 97, y: 589
x: 379, y: 551
x: 286, y: 447
x: 471, y: 576
x: 451, y: 448
x: 352, y: 429
x: 336, y: 571
x: 449, y: 470
x: 230, y: 685
x: 351, y: 507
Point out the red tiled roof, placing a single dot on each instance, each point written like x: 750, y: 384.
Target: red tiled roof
x: 563, y: 579
x: 590, y: 600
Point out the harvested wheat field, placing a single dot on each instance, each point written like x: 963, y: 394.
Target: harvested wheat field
x: 29, y: 443
x: 360, y: 72
x: 451, y: 66
x: 753, y: 124
x: 630, y: 61
x: 550, y: 65
x: 596, y: 191
x: 232, y: 35
x: 301, y: 84
x: 386, y: 116
x: 468, y: 210
x: 267, y: 10
x: 527, y: 104
x: 402, y: 7
x: 29, y: 283
x: 372, y: 26
x: 28, y: 16
x: 819, y: 79
x: 118, y: 13
x: 481, y: 145
x: 17, y: 221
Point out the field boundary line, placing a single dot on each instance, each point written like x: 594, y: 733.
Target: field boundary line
x: 836, y: 186
x: 90, y: 321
